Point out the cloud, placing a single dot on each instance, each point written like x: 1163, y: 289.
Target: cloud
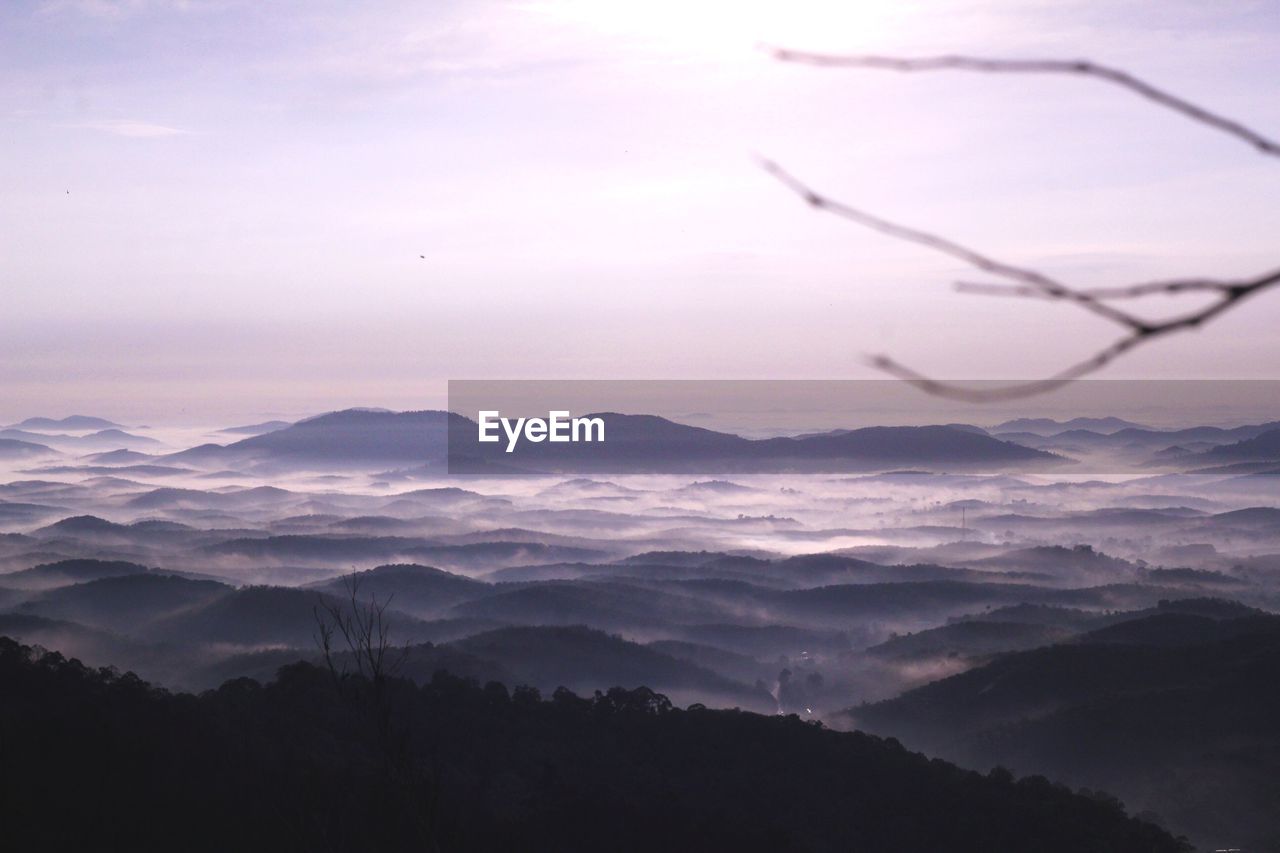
x: 109, y: 9
x: 134, y: 129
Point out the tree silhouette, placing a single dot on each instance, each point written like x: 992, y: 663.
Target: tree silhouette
x: 364, y: 627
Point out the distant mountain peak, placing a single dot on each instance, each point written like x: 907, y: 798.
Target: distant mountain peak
x: 1049, y: 426
x: 72, y: 422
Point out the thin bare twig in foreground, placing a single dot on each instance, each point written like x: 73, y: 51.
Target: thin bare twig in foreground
x: 1042, y: 66
x: 1029, y: 282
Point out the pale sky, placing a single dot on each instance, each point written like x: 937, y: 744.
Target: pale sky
x: 251, y: 186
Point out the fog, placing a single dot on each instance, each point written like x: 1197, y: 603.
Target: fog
x: 195, y: 555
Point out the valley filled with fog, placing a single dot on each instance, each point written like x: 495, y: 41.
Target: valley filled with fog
x: 1104, y: 620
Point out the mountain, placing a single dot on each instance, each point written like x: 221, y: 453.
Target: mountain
x: 582, y: 658
x: 256, y: 616
x: 66, y: 572
x: 339, y: 550
x: 76, y: 423
x: 12, y: 513
x: 420, y: 590
x: 930, y: 446
x: 298, y: 764
x: 1174, y: 629
x: 352, y: 437
x: 1260, y: 448
x: 119, y: 457
x: 1062, y: 562
x: 610, y: 606
x: 1176, y: 714
x: 644, y: 443
x: 738, y: 667
x: 759, y: 641
x: 1048, y: 426
x: 12, y: 448
x: 358, y: 437
x: 126, y: 602
x: 120, y: 437
x: 1257, y: 518
x: 968, y: 639
x: 89, y: 529
x: 164, y: 498
x: 1141, y: 447
x: 256, y: 429
x: 107, y: 439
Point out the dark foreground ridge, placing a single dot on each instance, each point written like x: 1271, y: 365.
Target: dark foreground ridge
x: 97, y: 760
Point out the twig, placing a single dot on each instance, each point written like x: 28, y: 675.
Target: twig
x: 1132, y: 291
x: 1196, y: 113
x: 1030, y: 282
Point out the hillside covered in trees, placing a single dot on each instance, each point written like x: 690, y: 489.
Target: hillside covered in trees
x: 103, y: 761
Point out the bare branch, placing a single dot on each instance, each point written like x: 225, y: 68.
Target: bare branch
x: 1132, y: 291
x: 1014, y: 391
x: 1120, y: 78
x: 1051, y: 288
x: 1029, y: 282
x: 1229, y: 298
x: 365, y: 629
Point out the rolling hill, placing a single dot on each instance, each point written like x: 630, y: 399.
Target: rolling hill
x: 1177, y: 714
x: 296, y: 764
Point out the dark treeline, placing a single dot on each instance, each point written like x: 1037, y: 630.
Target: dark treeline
x: 97, y: 760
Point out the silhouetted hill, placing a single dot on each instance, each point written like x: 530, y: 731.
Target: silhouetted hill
x: 119, y: 457
x: 64, y: 572
x: 761, y: 640
x: 650, y: 443
x: 605, y: 605
x: 11, y: 449
x: 1038, y: 614
x: 738, y: 667
x: 632, y: 443
x: 420, y: 590
x: 969, y: 638
x: 168, y: 498
x: 1178, y: 629
x: 1048, y: 426
x: 120, y: 437
x: 296, y: 764
x: 930, y: 446
x: 328, y: 548
x: 421, y: 662
x: 1174, y: 713
x: 1264, y: 447
x: 582, y: 658
x: 14, y: 513
x: 1266, y: 517
x: 126, y: 602
x: 71, y: 422
x: 342, y: 549
x: 1194, y: 577
x: 1059, y: 561
x: 108, y: 439
x: 256, y: 429
x: 355, y: 436
x: 831, y: 569
x: 68, y: 637
x: 78, y: 525
x: 261, y: 616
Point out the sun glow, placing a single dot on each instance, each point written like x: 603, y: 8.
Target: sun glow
x: 720, y: 28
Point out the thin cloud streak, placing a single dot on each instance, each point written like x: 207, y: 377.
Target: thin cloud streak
x: 134, y: 129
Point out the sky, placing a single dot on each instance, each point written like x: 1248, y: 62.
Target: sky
x: 225, y: 209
